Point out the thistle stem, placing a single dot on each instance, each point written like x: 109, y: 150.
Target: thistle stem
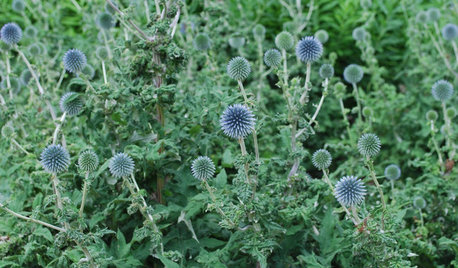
x: 83, y: 200
x: 145, y: 3
x: 441, y: 53
x: 29, y: 66
x: 104, y: 73
x: 255, y: 136
x: 327, y: 180
x: 32, y: 219
x: 61, y: 78
x: 285, y: 66
x: 347, y: 123
x: 421, y: 217
x: 355, y: 215
x: 449, y: 141
x: 243, y: 149
x: 325, y: 92
x: 242, y: 89
x: 218, y: 208
x: 8, y: 71
x: 59, y: 125
x: 358, y: 103
x: 19, y: 146
x: 374, y: 179
x: 307, y: 85
x: 455, y: 50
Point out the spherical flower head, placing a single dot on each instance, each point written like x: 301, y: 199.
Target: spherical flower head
x: 339, y: 90
x: 322, y: 36
x: 11, y: 33
x: 55, y: 159
x: 101, y: 53
x: 74, y: 60
x: 202, y: 41
x: 431, y: 115
x: 442, y: 90
x: 326, y: 71
x: 34, y: 49
x: 238, y: 68
x: 105, y: 21
x: 121, y: 165
x: 353, y: 73
x: 88, y: 161
x: 30, y: 31
x: 450, y: 112
x: 25, y: 77
x: 367, y: 112
x: 365, y: 4
x: 284, y: 40
x: 392, y: 172
x: 202, y: 168
x: 237, y: 41
x: 237, y: 121
x: 434, y: 14
x: 259, y: 32
x: 450, y: 31
x: 422, y: 17
x: 359, y: 33
x: 8, y: 131
x: 369, y: 145
x: 89, y: 71
x: 71, y: 103
x: 18, y: 6
x: 272, y: 58
x: 309, y: 49
x: 419, y: 202
x: 321, y: 159
x: 350, y: 191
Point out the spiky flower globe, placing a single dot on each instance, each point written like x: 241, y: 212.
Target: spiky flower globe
x: 419, y: 202
x: 238, y: 68
x: 284, y: 40
x: 55, y: 158
x: 89, y: 71
x: 422, y: 17
x: 326, y: 71
x: 431, y: 115
x: 321, y: 159
x: 25, y: 77
x: 450, y: 31
x: 353, y: 73
x: 366, y: 4
x: 322, y: 36
x: 202, y: 41
x: 450, y: 112
x: 71, y: 103
x: 18, y: 6
x: 237, y: 41
x: 31, y: 32
x: 309, y: 49
x: 202, y: 168
x: 88, y: 161
x: 34, y: 49
x: 8, y: 131
x: 105, y: 21
x: 74, y: 60
x: 367, y: 112
x: 350, y: 191
x: 101, y: 53
x: 369, y: 145
x: 442, y: 90
x: 237, y: 121
x: 359, y: 33
x: 259, y: 32
x: 434, y: 14
x: 121, y: 165
x: 392, y: 172
x: 11, y: 33
x: 339, y: 90
x: 272, y: 57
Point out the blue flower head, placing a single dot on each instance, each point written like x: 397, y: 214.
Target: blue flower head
x: 11, y: 33
x: 309, y: 49
x: 74, y: 61
x: 350, y: 191
x: 55, y: 158
x: 237, y: 121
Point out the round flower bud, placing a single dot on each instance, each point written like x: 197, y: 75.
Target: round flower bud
x: 237, y: 121
x: 419, y: 202
x: 369, y: 144
x: 350, y: 191
x: 237, y: 41
x: 326, y: 71
x: 353, y: 73
x: 450, y: 31
x: 238, y: 68
x: 367, y: 112
x: 55, y: 158
x: 25, y: 77
x: 18, y: 6
x: 450, y: 112
x: 284, y: 40
x: 431, y: 115
x: 202, y: 168
x: 422, y: 17
x: 71, y: 103
x: 101, y: 53
x: 272, y: 58
x: 121, y: 165
x: 309, y: 49
x: 365, y: 4
x: 392, y: 172
x: 31, y: 32
x: 339, y: 90
x: 11, y: 33
x: 321, y: 159
x: 89, y: 71
x: 34, y: 49
x: 8, y: 131
x: 259, y: 32
x: 359, y: 33
x: 88, y: 161
x: 434, y: 14
x: 322, y: 36
x: 202, y: 41
x: 74, y: 60
x: 105, y: 21
x: 442, y: 90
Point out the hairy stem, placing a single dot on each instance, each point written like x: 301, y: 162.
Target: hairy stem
x: 307, y: 85
x: 19, y: 146
x: 455, y: 50
x: 32, y: 219
x: 347, y: 123
x: 83, y: 200
x: 104, y: 73
x: 285, y: 67
x: 358, y: 101
x: 374, y: 179
x: 218, y: 208
x: 59, y: 125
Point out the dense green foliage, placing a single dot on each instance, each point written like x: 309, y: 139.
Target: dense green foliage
x: 159, y: 133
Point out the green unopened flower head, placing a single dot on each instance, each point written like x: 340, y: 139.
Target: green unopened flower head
x: 353, y: 73
x: 359, y: 33
x: 237, y: 41
x: 88, y: 161
x: 34, y: 49
x: 326, y: 71
x: 368, y: 112
x: 431, y: 115
x: 450, y: 31
x: 422, y: 17
x: 101, y: 53
x: 442, y: 90
x: 339, y: 90
x: 365, y: 4
x: 350, y: 191
x: 25, y: 77
x: 369, y: 145
x: 272, y: 58
x: 18, y: 6
x: 202, y: 41
x: 55, y: 158
x: 322, y: 36
x: 71, y: 103
x: 237, y: 121
x: 8, y: 131
x: 321, y: 159
x: 259, y: 32
x: 419, y: 202
x: 31, y: 32
x: 105, y: 21
x: 450, y: 112
x: 11, y: 33
x: 284, y: 40
x: 202, y: 168
x: 74, y: 60
x: 309, y: 49
x: 89, y: 71
x: 392, y: 172
x: 121, y: 165
x: 434, y: 14
x: 238, y: 68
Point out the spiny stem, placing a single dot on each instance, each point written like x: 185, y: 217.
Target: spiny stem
x: 327, y: 180
x: 148, y: 19
x: 325, y: 92
x: 255, y: 136
x: 8, y: 71
x: 455, y: 50
x: 307, y: 84
x: 104, y: 73
x: 449, y: 142
x: 83, y: 200
x: 61, y: 78
x: 421, y: 217
x: 19, y: 146
x: 29, y: 66
x: 32, y: 219
x: 358, y: 103
x: 244, y: 153
x: 374, y: 179
x: 347, y: 123
x: 285, y: 66
x: 218, y: 208
x: 59, y: 125
x: 355, y: 215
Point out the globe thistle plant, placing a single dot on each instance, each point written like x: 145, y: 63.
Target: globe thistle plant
x: 450, y: 112
x: 89, y: 71
x: 34, y: 49
x: 419, y: 202
x: 434, y: 14
x: 322, y: 36
x: 88, y: 161
x: 369, y: 145
x: 101, y: 53
x: 71, y: 103
x: 326, y: 71
x: 359, y: 33
x: 11, y: 33
x: 74, y: 61
x: 272, y: 58
x: 202, y: 168
x: 350, y: 191
x: 353, y: 73
x: 18, y: 6
x: 259, y: 32
x: 237, y: 41
x: 105, y: 21
x: 450, y: 31
x: 55, y: 159
x: 121, y: 165
x: 284, y: 41
x: 442, y: 90
x: 422, y: 17
x: 431, y: 115
x: 237, y: 121
x: 238, y: 68
x: 392, y: 172
x: 202, y: 41
x: 321, y: 159
x: 309, y: 49
x: 31, y: 32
